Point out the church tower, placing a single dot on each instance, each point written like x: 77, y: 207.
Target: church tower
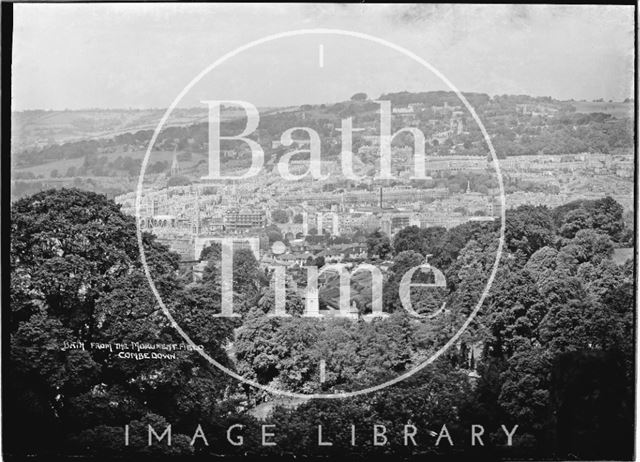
x: 175, y: 167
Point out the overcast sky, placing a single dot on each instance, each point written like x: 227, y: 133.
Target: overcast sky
x: 142, y: 55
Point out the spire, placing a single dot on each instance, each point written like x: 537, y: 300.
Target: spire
x: 175, y: 168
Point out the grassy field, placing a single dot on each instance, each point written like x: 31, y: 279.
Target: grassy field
x: 156, y: 156
x: 31, y: 128
x: 615, y: 109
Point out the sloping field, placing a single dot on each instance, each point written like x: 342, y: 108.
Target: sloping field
x: 615, y: 109
x: 33, y: 128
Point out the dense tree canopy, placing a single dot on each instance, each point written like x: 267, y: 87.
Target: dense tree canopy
x: 551, y: 349
x: 76, y: 277
x: 378, y: 245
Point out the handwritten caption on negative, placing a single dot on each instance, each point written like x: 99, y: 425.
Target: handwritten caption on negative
x: 133, y: 350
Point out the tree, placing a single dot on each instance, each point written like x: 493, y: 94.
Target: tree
x: 414, y: 397
x: 76, y: 276
x: 53, y: 173
x: 555, y: 335
x: 608, y: 217
x: 528, y: 228
x: 604, y: 215
x: 359, y: 97
x: 589, y: 245
x: 274, y: 234
x: 212, y: 252
x: 575, y: 221
x: 542, y: 265
x: 454, y: 241
x: 514, y: 311
x: 176, y: 180
x: 378, y: 245
x: 269, y: 348
x: 402, y: 263
x: 424, y: 241
x: 287, y: 351
x: 525, y: 394
x: 280, y: 216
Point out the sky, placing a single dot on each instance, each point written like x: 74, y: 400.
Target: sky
x: 79, y: 56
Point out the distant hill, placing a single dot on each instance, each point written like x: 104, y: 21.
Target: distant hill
x: 614, y: 109
x: 66, y: 146
x: 40, y: 128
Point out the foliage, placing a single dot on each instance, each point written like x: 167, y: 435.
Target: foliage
x: 76, y: 277
x: 378, y: 245
x: 425, y: 241
x: 552, y: 348
x: 280, y: 216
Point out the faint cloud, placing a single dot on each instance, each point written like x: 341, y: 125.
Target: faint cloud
x: 419, y: 14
